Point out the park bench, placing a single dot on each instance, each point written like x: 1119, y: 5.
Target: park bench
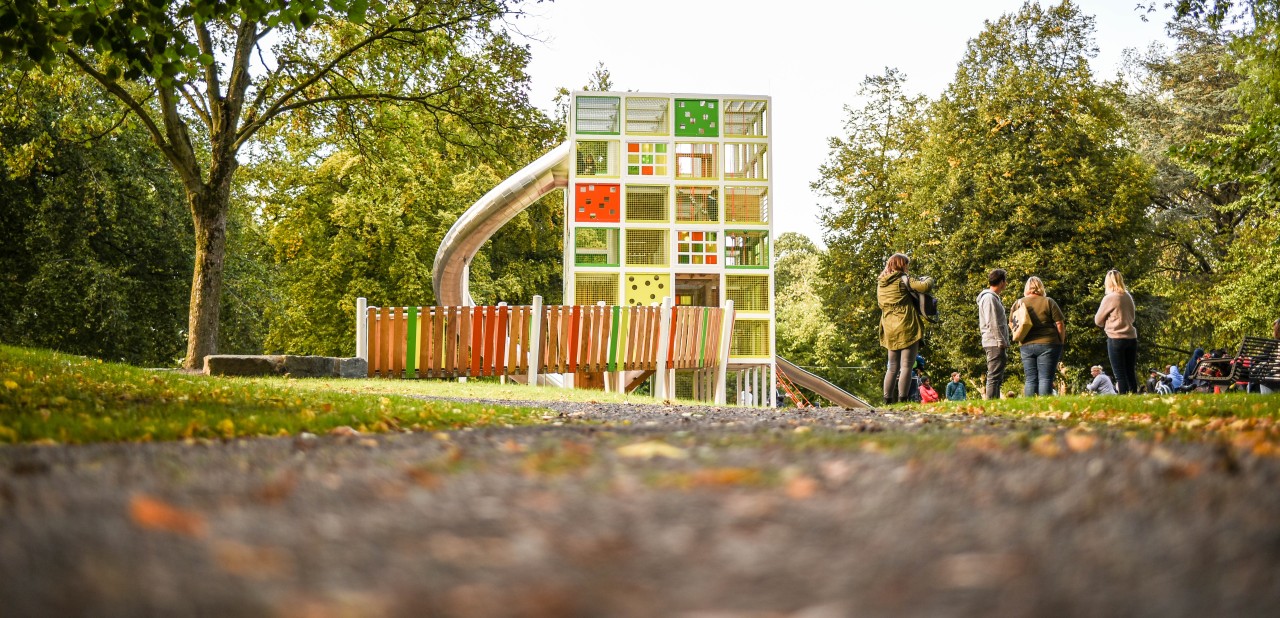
x: 1258, y: 361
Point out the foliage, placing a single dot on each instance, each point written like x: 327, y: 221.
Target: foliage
x: 1026, y: 167
x: 50, y: 397
x: 805, y: 335
x: 866, y: 176
x: 204, y: 78
x: 95, y: 242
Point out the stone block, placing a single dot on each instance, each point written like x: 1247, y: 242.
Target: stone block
x: 242, y: 365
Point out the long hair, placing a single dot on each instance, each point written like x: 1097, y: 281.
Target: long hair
x: 1034, y: 286
x: 897, y: 263
x: 1114, y: 283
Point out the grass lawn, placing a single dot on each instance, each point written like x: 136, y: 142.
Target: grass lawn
x: 47, y: 397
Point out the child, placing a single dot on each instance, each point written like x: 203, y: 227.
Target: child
x: 927, y: 394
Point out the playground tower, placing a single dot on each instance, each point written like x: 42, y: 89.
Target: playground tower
x: 669, y: 195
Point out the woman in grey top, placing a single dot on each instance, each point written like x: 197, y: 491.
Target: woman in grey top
x: 1101, y: 384
x: 1115, y: 316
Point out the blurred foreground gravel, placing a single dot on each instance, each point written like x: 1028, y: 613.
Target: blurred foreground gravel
x: 629, y: 510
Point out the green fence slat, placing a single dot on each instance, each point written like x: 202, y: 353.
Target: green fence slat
x: 613, y: 339
x: 702, y: 350
x: 411, y: 344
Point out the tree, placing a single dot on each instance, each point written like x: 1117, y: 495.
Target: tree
x: 806, y: 336
x: 1027, y: 167
x: 867, y: 177
x: 95, y: 247
x: 204, y: 77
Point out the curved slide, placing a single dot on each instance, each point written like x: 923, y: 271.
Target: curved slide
x: 451, y: 272
x: 827, y: 390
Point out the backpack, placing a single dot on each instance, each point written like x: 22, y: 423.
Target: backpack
x: 924, y: 302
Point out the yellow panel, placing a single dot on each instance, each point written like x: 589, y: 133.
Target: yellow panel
x: 750, y: 338
x: 748, y: 292
x: 591, y: 288
x: 645, y: 289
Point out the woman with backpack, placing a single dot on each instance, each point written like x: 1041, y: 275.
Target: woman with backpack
x: 1042, y: 345
x: 1115, y: 316
x: 901, y: 325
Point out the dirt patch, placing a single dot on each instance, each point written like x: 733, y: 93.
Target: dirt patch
x: 630, y: 510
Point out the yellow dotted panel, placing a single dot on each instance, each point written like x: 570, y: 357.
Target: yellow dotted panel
x: 644, y: 289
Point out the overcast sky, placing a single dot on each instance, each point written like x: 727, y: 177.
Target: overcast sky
x: 809, y: 55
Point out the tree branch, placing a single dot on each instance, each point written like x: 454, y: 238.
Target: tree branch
x: 211, y: 77
x: 281, y: 105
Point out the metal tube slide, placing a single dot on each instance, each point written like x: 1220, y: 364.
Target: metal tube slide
x: 451, y: 272
x: 830, y: 391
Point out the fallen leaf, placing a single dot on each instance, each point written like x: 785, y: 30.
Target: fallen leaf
x: 1080, y: 441
x: 152, y: 514
x: 252, y: 562
x: 802, y: 487
x: 344, y: 431
x: 980, y: 443
x: 1046, y: 446
x: 651, y: 449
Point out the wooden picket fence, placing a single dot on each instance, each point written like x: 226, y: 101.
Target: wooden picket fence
x: 451, y: 342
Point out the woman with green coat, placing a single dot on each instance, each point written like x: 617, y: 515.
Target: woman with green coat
x: 901, y: 326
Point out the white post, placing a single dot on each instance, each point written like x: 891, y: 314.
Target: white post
x: 726, y: 333
x: 362, y: 328
x: 535, y: 341
x: 661, y: 378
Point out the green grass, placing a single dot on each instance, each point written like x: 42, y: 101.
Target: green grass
x: 472, y: 389
x: 47, y: 397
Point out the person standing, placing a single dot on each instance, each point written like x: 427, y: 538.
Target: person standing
x: 1101, y: 384
x: 994, y: 326
x: 901, y: 326
x: 955, y: 388
x: 1115, y: 316
x: 1043, y: 345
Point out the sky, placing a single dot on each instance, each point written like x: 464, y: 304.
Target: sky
x: 810, y: 56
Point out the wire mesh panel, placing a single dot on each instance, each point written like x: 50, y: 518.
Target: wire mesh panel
x: 745, y: 117
x: 696, y: 160
x: 596, y: 203
x: 648, y: 159
x: 750, y: 338
x: 596, y: 246
x: 698, y: 204
x: 746, y: 248
x: 646, y: 247
x: 649, y: 115
x: 746, y: 204
x: 596, y: 158
x: 745, y: 161
x: 748, y: 292
x: 591, y: 288
x: 647, y: 204
x: 697, y: 248
x: 597, y: 115
x: 644, y: 289
x: 697, y: 118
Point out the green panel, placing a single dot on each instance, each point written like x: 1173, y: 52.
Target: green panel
x: 702, y: 352
x: 697, y: 118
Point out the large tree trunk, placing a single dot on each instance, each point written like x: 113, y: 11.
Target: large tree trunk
x: 209, y: 212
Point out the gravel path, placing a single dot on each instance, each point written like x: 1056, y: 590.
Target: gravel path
x: 641, y: 510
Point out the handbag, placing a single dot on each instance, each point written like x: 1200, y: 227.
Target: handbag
x: 1020, y: 322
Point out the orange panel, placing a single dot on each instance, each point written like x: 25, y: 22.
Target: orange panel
x: 596, y: 203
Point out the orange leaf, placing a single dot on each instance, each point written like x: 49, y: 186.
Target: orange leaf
x: 153, y: 514
x: 1080, y: 441
x: 1046, y: 446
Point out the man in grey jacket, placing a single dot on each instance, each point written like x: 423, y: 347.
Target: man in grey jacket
x: 994, y: 326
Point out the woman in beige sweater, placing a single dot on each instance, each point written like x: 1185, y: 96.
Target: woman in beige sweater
x: 1115, y: 316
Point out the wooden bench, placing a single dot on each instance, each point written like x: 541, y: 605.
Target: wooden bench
x: 1257, y: 361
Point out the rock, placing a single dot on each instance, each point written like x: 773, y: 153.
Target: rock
x: 309, y: 366
x: 242, y: 365
x: 354, y: 367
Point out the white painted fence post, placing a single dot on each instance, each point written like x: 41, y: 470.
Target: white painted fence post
x: 535, y: 341
x: 362, y: 328
x: 664, y: 344
x: 726, y: 334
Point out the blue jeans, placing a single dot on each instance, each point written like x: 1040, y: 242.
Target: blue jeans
x: 1124, y: 363
x: 1039, y: 366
